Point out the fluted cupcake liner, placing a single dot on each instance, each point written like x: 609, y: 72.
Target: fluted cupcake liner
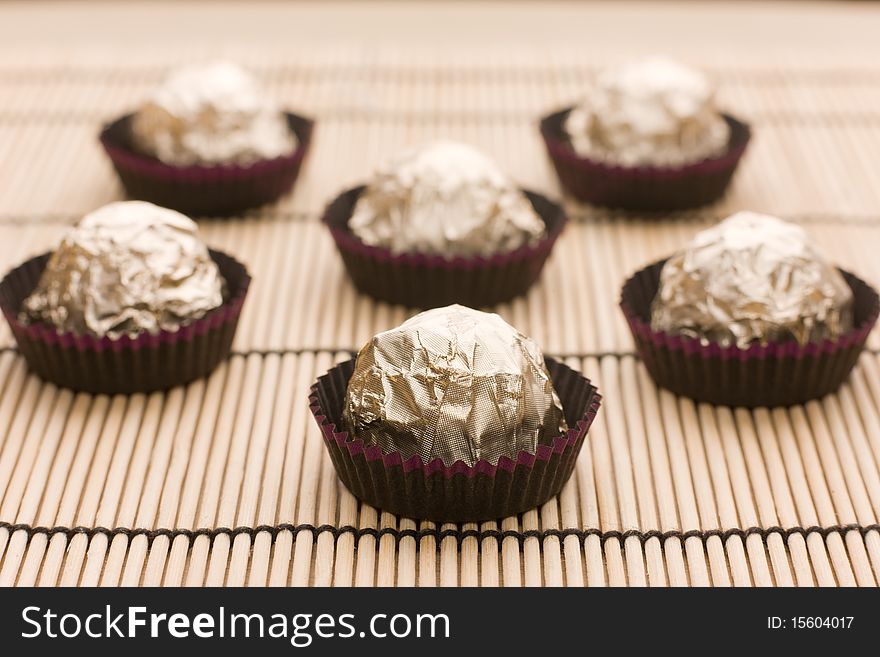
x: 128, y: 364
x: 204, y: 190
x: 458, y: 492
x: 642, y: 188
x: 431, y: 281
x: 775, y: 374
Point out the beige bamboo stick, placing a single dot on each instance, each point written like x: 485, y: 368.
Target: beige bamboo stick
x: 531, y: 550
x: 327, y: 515
x: 606, y: 492
x: 281, y: 550
x: 857, y: 455
x: 41, y: 499
x: 365, y: 556
x: 175, y: 472
x: 742, y: 492
x: 297, y: 469
x: 36, y: 403
x: 448, y: 565
x: 428, y: 567
x: 782, y: 510
x: 581, y: 313
x: 7, y: 405
x: 257, y: 446
x: 254, y: 437
x: 32, y: 561
x: 280, y: 235
x: 771, y: 504
x: 123, y: 490
x: 343, y: 570
x: 678, y: 502
x: 649, y: 498
x: 626, y: 495
x: 469, y: 557
x: 865, y: 396
x: 302, y: 368
x: 313, y: 455
x: 490, y: 557
x: 861, y: 504
x: 588, y: 493
x: 47, y: 422
x: 568, y: 518
x: 12, y: 374
x: 63, y: 557
x: 185, y: 511
x: 148, y: 504
x: 94, y: 506
x: 511, y: 557
x: 667, y: 510
x: 824, y: 493
x: 227, y: 510
x: 816, y: 563
x: 728, y: 515
x: 228, y: 378
x: 386, y: 559
x: 407, y: 555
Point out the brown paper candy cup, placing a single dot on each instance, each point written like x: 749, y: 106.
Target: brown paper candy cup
x: 431, y: 281
x: 204, y: 190
x: 455, y: 493
x: 142, y: 363
x: 776, y: 374
x: 642, y: 188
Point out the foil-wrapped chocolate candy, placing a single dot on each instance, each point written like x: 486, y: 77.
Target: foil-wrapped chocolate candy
x: 653, y: 112
x: 752, y: 278
x: 211, y: 114
x: 126, y: 268
x: 455, y: 384
x: 447, y: 199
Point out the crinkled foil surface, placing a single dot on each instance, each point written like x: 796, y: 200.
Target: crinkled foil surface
x: 456, y: 384
x: 652, y: 112
x: 445, y: 198
x: 211, y: 114
x: 127, y: 268
x: 752, y: 278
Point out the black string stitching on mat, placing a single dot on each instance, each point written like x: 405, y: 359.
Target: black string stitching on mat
x: 45, y: 219
x: 307, y: 217
x: 155, y: 73
x: 298, y: 351
x: 88, y: 117
x: 439, y: 534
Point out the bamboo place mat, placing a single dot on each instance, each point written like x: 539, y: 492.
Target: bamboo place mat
x: 226, y: 481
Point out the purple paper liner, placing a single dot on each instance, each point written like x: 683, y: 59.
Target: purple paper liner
x: 455, y: 493
x: 204, y: 190
x: 642, y: 188
x: 143, y: 363
x: 431, y: 281
x: 776, y: 374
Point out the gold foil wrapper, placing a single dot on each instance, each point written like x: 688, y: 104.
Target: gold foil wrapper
x: 124, y: 269
x: 446, y: 199
x: 456, y: 384
x: 752, y: 278
x: 211, y: 114
x: 652, y: 112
